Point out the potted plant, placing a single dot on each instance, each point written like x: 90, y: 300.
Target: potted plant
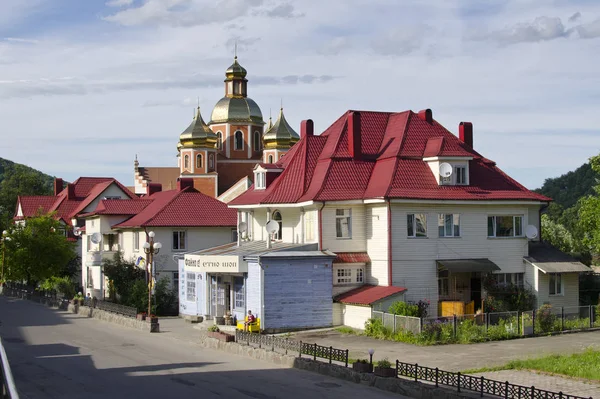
x: 141, y: 316
x: 384, y: 369
x: 362, y: 366
x: 215, y: 332
x: 78, y: 299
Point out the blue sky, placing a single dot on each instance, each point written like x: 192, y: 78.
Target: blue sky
x: 87, y: 85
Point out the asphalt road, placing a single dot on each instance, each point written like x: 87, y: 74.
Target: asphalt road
x: 54, y: 354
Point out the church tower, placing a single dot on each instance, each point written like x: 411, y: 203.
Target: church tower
x: 197, y: 155
x: 278, y: 139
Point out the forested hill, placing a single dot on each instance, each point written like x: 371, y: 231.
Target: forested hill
x: 568, y: 188
x: 15, y: 180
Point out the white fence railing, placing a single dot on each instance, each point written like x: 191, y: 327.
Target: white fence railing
x: 8, y: 388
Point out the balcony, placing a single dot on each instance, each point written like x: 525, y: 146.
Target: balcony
x: 96, y: 258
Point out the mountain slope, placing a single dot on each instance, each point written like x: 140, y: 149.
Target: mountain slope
x: 568, y: 188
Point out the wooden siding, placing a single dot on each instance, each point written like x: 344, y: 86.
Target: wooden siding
x: 298, y: 294
x: 254, y: 289
x: 384, y: 304
x: 358, y: 241
x: 377, y: 244
x: 570, y: 286
x: 356, y: 316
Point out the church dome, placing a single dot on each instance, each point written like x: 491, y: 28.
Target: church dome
x: 197, y: 134
x: 281, y: 134
x: 236, y: 109
x: 236, y: 70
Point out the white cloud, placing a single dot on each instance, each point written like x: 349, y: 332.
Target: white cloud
x: 119, y: 3
x: 541, y: 29
x: 590, y: 30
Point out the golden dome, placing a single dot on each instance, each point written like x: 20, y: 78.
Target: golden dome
x: 281, y: 134
x: 235, y: 70
x: 236, y: 109
x: 197, y: 134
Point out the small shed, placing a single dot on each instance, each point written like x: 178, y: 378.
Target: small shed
x: 355, y: 307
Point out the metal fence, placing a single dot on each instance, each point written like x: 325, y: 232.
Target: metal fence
x: 289, y: 345
x: 396, y: 322
x: 122, y: 310
x: 8, y: 389
x: 481, y: 385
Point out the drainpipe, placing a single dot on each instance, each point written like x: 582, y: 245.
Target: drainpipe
x: 302, y: 212
x: 239, y: 235
x: 268, y: 235
x: 389, y: 227
x: 321, y: 226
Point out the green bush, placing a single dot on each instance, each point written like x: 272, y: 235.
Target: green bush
x: 384, y: 363
x: 545, y: 319
x: 213, y: 328
x: 404, y: 309
x: 62, y: 285
x: 375, y: 328
x: 165, y: 299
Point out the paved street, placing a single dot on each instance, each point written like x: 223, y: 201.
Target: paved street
x: 55, y: 354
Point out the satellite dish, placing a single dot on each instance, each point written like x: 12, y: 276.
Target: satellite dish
x: 77, y: 231
x: 531, y: 232
x: 445, y: 169
x: 96, y: 238
x: 272, y: 227
x: 242, y: 227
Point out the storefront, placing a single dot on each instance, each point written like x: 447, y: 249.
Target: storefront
x: 288, y: 286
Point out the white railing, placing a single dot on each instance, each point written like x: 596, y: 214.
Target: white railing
x: 8, y: 389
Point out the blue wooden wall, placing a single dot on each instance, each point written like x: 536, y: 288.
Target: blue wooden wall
x: 297, y: 293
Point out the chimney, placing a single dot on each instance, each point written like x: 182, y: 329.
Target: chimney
x: 184, y: 182
x: 58, y: 185
x: 307, y: 128
x: 354, y: 135
x: 465, y: 133
x: 426, y: 115
x: 152, y: 188
x: 70, y: 191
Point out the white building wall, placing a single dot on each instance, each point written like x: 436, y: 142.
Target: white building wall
x: 570, y: 289
x: 338, y: 315
x: 356, y: 316
x: 254, y: 288
x: 311, y: 226
x: 377, y: 243
x: 357, y: 243
x: 111, y: 191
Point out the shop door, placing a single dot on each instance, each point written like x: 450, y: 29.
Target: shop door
x: 218, y: 295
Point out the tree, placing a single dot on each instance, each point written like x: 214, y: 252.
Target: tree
x: 556, y: 234
x: 124, y: 275
x: 589, y: 214
x: 38, y: 250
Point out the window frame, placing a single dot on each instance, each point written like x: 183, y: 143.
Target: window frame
x: 360, y: 275
x: 443, y: 283
x: 241, y: 141
x: 340, y: 218
x: 558, y: 284
x: 411, y: 224
x: 136, y: 241
x: 461, y: 171
x: 494, y: 226
x: 219, y: 140
x: 278, y: 235
x: 344, y: 276
x: 257, y: 141
x: 199, y: 161
x: 270, y: 159
x: 260, y: 180
x: 239, y: 297
x: 179, y: 235
x: 186, y: 161
x: 454, y: 227
x: 190, y: 283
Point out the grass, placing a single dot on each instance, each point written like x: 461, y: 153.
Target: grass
x: 579, y: 365
x: 347, y: 330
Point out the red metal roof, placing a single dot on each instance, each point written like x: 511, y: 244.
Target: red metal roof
x: 185, y: 208
x: 352, y: 257
x: 368, y: 294
x: 31, y: 204
x: 393, y: 146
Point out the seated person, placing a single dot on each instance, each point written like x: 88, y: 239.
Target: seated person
x: 249, y: 320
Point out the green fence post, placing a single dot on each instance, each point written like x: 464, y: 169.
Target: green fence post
x: 300, y: 349
x: 454, y: 325
x: 330, y: 353
x: 591, y: 316
x: 562, y: 318
x: 315, y: 352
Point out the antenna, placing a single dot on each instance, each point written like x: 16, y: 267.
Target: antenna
x: 272, y: 227
x: 445, y: 169
x: 531, y: 232
x: 96, y: 238
x: 235, y: 50
x: 242, y: 227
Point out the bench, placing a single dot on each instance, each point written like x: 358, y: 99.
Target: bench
x: 253, y: 327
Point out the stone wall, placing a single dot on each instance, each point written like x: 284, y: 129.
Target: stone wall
x: 397, y: 385
x: 87, y: 311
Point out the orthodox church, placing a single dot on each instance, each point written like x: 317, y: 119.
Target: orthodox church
x: 222, y: 153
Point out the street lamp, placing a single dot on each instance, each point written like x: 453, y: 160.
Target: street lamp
x: 371, y: 352
x: 151, y: 248
x: 4, y: 238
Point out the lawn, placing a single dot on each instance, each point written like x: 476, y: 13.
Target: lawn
x: 580, y: 365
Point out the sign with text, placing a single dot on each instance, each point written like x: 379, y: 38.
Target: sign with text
x: 216, y: 264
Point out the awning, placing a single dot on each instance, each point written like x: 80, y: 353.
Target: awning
x: 550, y: 259
x: 467, y: 265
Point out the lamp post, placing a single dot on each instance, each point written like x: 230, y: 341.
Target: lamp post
x: 4, y: 238
x: 371, y: 352
x: 151, y: 248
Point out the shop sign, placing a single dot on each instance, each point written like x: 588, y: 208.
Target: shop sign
x: 216, y: 264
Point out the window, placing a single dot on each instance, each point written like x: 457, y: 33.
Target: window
x: 136, y: 240
x: 344, y: 276
x: 211, y: 161
x: 239, y: 141
x: 505, y: 226
x: 90, y: 278
x: 190, y: 287
x: 238, y: 288
x: 270, y: 158
x: 360, y: 275
x: 176, y: 283
x: 256, y: 141
x: 219, y: 140
x: 505, y: 279
x: 461, y: 174
x: 234, y: 235
x: 416, y: 224
x: 343, y: 223
x: 111, y: 243
x: 443, y: 283
x: 449, y: 225
x: 277, y: 218
x: 179, y: 240
x: 89, y: 243
x: 555, y: 287
x: 309, y: 226
x: 199, y: 161
x: 260, y: 180
x: 186, y: 162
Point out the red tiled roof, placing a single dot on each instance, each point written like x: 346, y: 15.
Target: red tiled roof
x: 352, y: 257
x: 368, y: 294
x: 119, y: 207
x: 393, y: 146
x: 185, y: 208
x: 31, y: 204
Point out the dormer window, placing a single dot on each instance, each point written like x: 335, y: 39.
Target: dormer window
x: 260, y: 180
x: 460, y: 173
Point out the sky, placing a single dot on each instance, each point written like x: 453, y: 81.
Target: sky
x: 85, y: 86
